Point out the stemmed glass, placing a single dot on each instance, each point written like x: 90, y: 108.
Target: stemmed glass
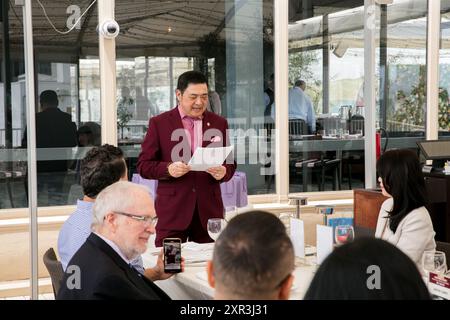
x: 215, y: 227
x: 343, y: 234
x: 434, y: 261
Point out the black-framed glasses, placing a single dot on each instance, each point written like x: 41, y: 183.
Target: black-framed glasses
x: 144, y: 219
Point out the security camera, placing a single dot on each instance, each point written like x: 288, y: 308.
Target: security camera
x: 109, y: 29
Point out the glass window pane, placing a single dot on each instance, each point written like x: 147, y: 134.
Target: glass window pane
x: 444, y: 72
x: 326, y: 75
x: 231, y: 42
x: 401, y: 91
x: 67, y: 96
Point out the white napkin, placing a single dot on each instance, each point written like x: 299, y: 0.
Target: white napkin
x: 193, y: 252
x: 190, y: 257
x: 194, y: 246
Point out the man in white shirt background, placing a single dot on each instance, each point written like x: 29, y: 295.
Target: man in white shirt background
x: 300, y: 106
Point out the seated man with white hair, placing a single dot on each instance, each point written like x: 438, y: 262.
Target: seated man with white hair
x: 253, y: 259
x: 124, y: 219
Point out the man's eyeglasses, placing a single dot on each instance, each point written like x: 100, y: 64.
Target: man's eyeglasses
x: 144, y: 219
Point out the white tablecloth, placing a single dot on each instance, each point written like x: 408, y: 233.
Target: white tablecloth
x: 192, y: 285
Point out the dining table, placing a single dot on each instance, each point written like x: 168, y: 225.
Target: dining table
x: 192, y: 283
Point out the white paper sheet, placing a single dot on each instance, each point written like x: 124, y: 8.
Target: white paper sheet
x: 298, y: 237
x: 205, y: 158
x: 324, y: 242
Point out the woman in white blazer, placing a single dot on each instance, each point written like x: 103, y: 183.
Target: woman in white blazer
x: 403, y: 219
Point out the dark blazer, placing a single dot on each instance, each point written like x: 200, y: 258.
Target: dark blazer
x: 106, y: 276
x: 54, y: 129
x: 177, y: 197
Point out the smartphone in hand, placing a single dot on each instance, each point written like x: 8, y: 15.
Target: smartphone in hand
x: 172, y: 255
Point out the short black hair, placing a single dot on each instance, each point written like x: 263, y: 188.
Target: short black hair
x: 345, y: 274
x: 190, y: 77
x: 101, y: 167
x: 299, y: 83
x: 403, y: 179
x: 253, y: 255
x: 48, y: 98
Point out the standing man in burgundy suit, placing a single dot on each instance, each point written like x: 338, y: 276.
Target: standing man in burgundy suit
x: 185, y: 199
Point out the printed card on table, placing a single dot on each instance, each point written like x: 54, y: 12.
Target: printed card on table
x: 298, y: 237
x: 324, y: 240
x: 439, y: 286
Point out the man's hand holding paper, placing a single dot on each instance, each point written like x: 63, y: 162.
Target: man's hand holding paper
x: 217, y: 172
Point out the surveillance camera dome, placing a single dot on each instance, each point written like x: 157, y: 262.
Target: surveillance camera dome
x: 109, y: 29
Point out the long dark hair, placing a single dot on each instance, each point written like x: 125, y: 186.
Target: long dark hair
x: 403, y: 179
x: 351, y: 272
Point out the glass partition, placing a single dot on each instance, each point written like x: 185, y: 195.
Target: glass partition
x: 326, y: 74
x: 401, y: 69
x: 444, y: 72
x: 229, y: 41
x: 67, y: 119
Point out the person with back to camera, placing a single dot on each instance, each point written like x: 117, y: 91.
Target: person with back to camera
x: 403, y: 219
x: 253, y: 259
x: 367, y: 269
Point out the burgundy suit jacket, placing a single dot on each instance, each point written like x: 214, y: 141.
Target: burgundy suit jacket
x: 177, y: 197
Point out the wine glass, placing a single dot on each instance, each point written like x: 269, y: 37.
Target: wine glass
x: 343, y: 234
x: 434, y: 261
x: 215, y: 227
x: 286, y: 220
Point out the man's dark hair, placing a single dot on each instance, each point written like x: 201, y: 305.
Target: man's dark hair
x: 299, y: 83
x: 190, y: 77
x: 48, y: 99
x: 253, y: 255
x: 101, y: 167
x: 345, y: 274
x: 403, y: 179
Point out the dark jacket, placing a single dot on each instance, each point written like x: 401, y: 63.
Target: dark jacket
x: 104, y: 275
x: 54, y: 129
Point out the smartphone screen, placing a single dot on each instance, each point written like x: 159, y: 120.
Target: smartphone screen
x: 172, y: 255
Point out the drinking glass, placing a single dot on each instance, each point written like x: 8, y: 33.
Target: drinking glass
x: 343, y: 234
x: 359, y: 132
x: 215, y: 227
x: 434, y: 261
x: 332, y: 132
x: 286, y: 220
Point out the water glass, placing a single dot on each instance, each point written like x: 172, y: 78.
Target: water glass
x: 332, y: 132
x: 343, y: 234
x: 215, y: 227
x: 434, y: 261
x: 286, y: 220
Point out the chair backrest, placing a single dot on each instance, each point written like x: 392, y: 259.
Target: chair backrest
x: 297, y: 127
x: 54, y: 268
x: 356, y: 124
x: 444, y: 247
